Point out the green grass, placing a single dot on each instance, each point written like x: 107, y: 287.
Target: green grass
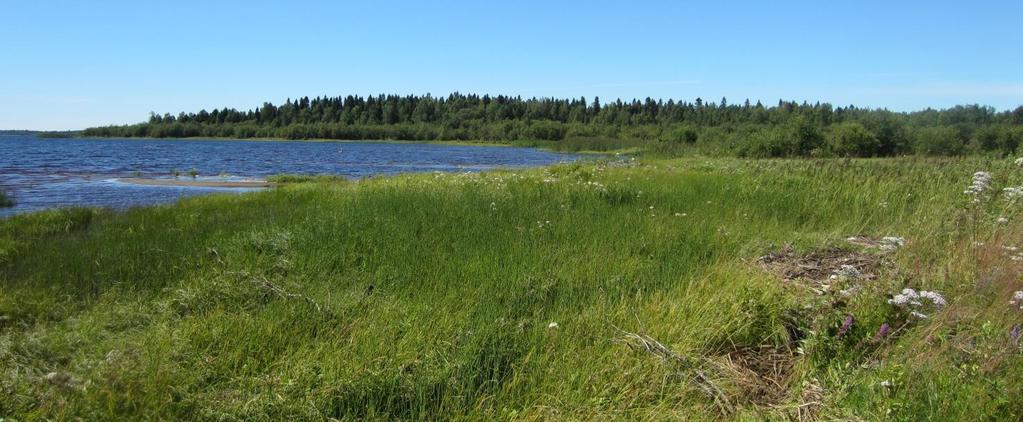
x: 304, y: 178
x: 435, y: 296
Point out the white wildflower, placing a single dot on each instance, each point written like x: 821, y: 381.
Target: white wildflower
x: 919, y: 315
x: 1017, y: 299
x: 886, y: 384
x: 1002, y: 220
x: 1019, y: 162
x: 1013, y: 193
x: 981, y: 183
x: 552, y: 325
x: 936, y: 298
x: 907, y: 297
x: 913, y: 301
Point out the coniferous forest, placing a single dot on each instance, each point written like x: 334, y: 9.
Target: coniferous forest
x: 785, y: 129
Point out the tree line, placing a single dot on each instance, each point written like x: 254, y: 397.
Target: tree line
x: 785, y: 129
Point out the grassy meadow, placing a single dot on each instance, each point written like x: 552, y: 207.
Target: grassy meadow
x: 643, y: 288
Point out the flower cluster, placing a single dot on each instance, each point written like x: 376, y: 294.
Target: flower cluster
x: 980, y: 185
x: 847, y: 325
x: 913, y: 301
x: 1013, y: 193
x: 1019, y: 162
x: 1017, y: 299
x: 1013, y: 253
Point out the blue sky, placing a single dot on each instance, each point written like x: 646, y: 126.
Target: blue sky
x: 73, y: 64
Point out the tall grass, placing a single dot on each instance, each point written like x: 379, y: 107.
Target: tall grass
x: 506, y: 295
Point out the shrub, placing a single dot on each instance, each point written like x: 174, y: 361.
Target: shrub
x: 547, y: 131
x: 768, y: 143
x: 798, y: 138
x: 1002, y: 138
x: 5, y: 199
x: 943, y: 140
x: 852, y: 140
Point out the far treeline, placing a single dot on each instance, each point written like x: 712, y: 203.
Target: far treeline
x: 788, y: 129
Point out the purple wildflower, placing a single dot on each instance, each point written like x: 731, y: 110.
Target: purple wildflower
x: 883, y: 332
x: 1014, y: 335
x: 846, y: 325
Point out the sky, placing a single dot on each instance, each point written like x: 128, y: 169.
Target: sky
x: 74, y: 64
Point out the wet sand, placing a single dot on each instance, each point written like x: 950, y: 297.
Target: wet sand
x: 200, y: 183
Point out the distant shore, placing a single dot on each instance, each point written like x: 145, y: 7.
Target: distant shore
x: 540, y: 145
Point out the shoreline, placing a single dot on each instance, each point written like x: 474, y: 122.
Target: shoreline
x: 198, y: 183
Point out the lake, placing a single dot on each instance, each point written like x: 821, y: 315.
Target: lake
x: 48, y: 173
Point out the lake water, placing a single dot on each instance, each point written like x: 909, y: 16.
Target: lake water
x: 47, y: 173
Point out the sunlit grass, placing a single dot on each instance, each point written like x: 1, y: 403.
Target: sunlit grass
x: 506, y: 295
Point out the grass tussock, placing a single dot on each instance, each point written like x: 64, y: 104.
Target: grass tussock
x: 646, y: 289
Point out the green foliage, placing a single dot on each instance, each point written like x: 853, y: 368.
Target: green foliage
x: 852, y: 140
x: 672, y: 128
x: 944, y: 140
x: 304, y: 178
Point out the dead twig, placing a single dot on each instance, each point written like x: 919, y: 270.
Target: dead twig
x: 272, y: 288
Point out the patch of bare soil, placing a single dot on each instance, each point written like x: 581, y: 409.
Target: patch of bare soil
x: 820, y: 267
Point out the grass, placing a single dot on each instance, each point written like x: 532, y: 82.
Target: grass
x: 611, y: 289
x: 305, y: 178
